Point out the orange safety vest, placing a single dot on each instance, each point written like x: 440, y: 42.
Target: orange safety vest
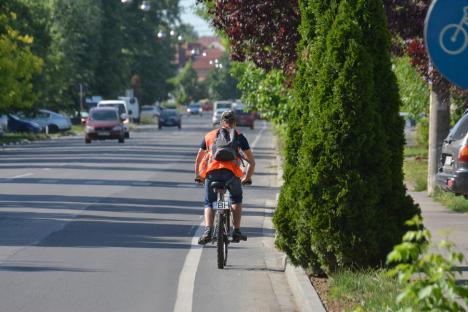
x: 209, y: 164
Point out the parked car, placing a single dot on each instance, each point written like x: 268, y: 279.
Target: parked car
x: 217, y: 115
x: 150, y: 112
x: 195, y: 109
x: 121, y: 106
x: 244, y: 119
x: 105, y: 123
x: 16, y: 124
x: 170, y: 118
x: 452, y: 173
x: 48, y: 120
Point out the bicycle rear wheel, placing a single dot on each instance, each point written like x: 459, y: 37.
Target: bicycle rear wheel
x: 226, y: 235
x: 220, y: 241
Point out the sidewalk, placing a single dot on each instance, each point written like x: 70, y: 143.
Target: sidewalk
x: 445, y: 224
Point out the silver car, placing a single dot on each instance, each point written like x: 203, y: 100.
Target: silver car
x: 49, y: 120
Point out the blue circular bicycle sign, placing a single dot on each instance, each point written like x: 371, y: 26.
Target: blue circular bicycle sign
x: 446, y: 36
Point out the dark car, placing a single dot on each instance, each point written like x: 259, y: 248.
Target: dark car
x: 169, y: 118
x: 16, y: 124
x: 452, y: 175
x: 104, y: 123
x: 245, y: 119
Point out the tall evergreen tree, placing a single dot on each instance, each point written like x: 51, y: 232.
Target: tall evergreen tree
x: 343, y: 193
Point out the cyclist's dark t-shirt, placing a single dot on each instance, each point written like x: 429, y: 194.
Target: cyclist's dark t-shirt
x: 244, y: 144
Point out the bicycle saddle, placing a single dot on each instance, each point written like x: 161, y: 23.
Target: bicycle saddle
x: 218, y: 185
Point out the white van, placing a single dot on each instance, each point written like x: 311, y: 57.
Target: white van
x: 133, y: 108
x: 122, y: 108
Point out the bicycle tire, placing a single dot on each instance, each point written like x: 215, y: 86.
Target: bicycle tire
x: 226, y: 237
x: 220, y: 242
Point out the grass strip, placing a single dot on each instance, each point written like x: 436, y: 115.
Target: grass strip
x: 415, y: 172
x: 369, y: 290
x: 18, y: 137
x: 452, y: 202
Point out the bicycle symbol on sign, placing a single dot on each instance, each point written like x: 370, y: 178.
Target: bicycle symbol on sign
x: 454, y: 38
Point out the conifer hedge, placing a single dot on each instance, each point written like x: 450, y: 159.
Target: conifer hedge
x: 343, y: 203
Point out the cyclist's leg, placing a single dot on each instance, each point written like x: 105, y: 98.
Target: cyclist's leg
x: 210, y: 197
x: 235, y: 190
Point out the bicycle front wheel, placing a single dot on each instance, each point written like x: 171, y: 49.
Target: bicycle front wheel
x: 220, y: 241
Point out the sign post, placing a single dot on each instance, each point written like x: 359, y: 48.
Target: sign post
x: 446, y: 37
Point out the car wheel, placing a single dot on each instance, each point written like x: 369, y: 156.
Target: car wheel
x: 180, y: 126
x: 87, y: 140
x: 122, y: 139
x: 53, y: 128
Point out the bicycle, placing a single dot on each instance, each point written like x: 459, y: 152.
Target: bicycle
x: 457, y: 36
x: 222, y: 222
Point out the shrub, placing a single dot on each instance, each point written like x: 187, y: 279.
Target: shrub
x: 428, y: 278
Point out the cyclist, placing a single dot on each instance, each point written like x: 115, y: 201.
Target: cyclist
x: 208, y: 170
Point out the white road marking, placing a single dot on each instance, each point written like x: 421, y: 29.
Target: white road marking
x: 184, y: 299
x: 22, y: 175
x: 259, y: 135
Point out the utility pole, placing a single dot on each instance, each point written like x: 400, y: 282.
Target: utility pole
x: 81, y: 98
x: 439, y: 126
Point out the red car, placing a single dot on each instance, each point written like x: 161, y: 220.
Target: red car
x: 245, y: 119
x: 104, y: 123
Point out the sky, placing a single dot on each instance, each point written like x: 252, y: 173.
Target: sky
x: 189, y: 17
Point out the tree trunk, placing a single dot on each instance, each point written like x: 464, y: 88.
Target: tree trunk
x: 439, y: 126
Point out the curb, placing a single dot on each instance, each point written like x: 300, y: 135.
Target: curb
x: 306, y: 297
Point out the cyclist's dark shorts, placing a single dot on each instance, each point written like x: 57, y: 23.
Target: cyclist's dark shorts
x: 235, y: 187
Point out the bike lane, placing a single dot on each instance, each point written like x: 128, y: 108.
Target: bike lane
x: 254, y: 278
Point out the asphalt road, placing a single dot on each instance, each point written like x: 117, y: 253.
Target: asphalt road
x: 113, y: 227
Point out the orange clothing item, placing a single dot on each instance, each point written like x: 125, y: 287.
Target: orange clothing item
x: 209, y: 164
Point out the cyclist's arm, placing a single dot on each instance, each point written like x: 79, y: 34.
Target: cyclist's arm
x: 200, y: 155
x: 250, y: 165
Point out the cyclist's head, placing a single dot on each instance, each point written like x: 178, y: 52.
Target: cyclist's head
x: 228, y: 118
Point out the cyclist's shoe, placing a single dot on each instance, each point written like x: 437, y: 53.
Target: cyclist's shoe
x: 237, y: 236
x: 206, y: 236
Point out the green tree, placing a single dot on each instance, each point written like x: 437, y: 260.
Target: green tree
x: 18, y: 65
x: 74, y: 52
x: 263, y: 91
x: 186, y: 85
x: 220, y: 81
x: 343, y: 203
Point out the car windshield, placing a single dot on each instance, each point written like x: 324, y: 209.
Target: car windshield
x: 224, y: 105
x: 146, y: 108
x: 104, y: 115
x: 169, y: 113
x: 121, y: 107
x: 194, y: 106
